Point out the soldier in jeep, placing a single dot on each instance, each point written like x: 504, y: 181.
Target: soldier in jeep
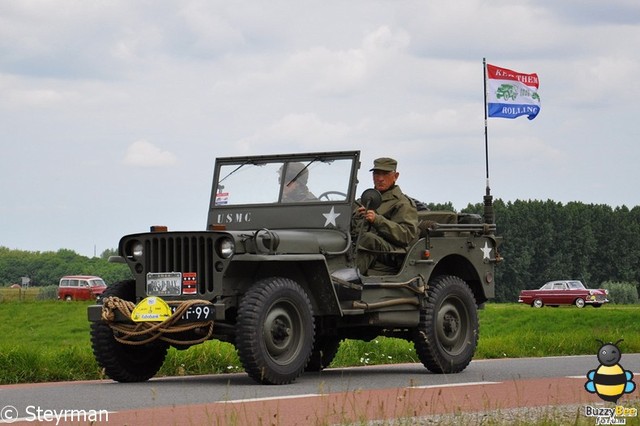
x: 295, y: 188
x: 389, y: 229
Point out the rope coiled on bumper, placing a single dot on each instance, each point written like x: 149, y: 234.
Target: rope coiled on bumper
x: 134, y: 334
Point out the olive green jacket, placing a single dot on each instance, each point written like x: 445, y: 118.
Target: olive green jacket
x: 396, y: 219
x: 300, y: 193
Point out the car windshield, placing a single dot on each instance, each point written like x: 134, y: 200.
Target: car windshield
x: 97, y: 283
x: 280, y: 181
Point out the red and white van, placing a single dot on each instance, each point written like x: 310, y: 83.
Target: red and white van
x: 80, y: 287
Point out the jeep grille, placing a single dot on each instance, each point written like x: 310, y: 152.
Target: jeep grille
x: 182, y: 254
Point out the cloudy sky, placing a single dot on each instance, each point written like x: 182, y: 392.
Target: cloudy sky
x: 112, y: 112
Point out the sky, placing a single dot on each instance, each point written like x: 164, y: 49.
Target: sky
x: 112, y: 112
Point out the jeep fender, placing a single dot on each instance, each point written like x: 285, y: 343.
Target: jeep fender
x: 310, y: 271
x: 461, y: 267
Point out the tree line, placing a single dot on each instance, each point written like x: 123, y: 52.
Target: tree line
x: 46, y: 268
x: 542, y: 241
x: 548, y: 240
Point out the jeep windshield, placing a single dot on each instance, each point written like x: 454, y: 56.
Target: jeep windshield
x: 294, y: 191
x: 296, y: 180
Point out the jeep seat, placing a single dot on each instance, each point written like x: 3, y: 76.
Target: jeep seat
x: 428, y: 220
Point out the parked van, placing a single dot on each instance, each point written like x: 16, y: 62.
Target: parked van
x: 80, y: 287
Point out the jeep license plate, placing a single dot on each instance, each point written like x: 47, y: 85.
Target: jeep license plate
x: 196, y: 313
x: 164, y: 283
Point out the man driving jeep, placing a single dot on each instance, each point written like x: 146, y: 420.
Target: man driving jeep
x: 391, y: 227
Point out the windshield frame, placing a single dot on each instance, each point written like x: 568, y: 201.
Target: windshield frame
x: 231, y: 206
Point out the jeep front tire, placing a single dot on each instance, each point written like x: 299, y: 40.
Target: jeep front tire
x: 125, y: 363
x: 275, y: 331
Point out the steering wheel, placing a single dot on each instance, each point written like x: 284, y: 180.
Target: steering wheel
x: 327, y: 196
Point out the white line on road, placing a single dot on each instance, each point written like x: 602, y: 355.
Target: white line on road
x: 454, y: 385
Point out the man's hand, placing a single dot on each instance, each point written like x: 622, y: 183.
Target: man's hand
x: 368, y: 215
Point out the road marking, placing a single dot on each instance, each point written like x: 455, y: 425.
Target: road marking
x: 274, y: 398
x: 315, y: 395
x: 453, y: 385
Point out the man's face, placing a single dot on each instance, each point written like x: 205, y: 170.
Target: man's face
x: 383, y: 180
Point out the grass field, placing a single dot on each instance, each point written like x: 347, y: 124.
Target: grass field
x: 49, y: 340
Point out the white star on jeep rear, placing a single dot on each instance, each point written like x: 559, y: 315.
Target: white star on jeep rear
x: 486, y: 251
x: 331, y: 217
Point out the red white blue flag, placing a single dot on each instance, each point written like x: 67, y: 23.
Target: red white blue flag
x: 511, y: 94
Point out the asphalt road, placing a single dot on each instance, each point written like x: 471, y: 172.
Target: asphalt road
x: 32, y: 401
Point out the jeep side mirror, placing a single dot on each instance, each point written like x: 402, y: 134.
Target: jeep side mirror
x: 371, y: 198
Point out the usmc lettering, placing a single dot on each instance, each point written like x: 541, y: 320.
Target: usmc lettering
x: 239, y: 217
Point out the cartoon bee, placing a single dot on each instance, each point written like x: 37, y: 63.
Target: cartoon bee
x: 609, y: 381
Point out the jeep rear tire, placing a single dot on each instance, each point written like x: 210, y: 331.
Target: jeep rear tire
x: 447, y: 335
x: 125, y: 363
x: 275, y: 331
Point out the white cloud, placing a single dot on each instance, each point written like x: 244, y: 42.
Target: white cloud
x: 299, y: 132
x: 384, y: 39
x: 144, y: 154
x: 326, y: 71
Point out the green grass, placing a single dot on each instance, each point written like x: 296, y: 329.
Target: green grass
x: 49, y: 340
x: 514, y: 331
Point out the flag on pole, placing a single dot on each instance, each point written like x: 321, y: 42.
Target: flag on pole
x: 512, y: 94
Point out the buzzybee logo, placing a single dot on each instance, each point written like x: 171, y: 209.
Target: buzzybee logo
x: 609, y: 381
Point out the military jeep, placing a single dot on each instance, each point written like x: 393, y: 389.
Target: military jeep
x: 276, y: 277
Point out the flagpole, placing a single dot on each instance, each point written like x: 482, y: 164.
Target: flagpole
x: 486, y: 133
x: 488, y: 199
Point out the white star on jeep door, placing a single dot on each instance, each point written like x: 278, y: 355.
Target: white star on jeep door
x: 486, y: 251
x: 331, y: 217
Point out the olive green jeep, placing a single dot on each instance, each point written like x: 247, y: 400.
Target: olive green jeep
x: 275, y: 275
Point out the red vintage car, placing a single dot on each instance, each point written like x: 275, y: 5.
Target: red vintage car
x: 565, y: 292
x: 80, y: 287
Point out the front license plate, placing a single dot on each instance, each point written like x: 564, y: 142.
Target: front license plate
x: 164, y: 283
x: 196, y: 313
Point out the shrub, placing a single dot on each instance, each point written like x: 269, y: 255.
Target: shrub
x: 621, y: 293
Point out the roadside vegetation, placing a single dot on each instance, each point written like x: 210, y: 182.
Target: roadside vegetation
x: 49, y: 340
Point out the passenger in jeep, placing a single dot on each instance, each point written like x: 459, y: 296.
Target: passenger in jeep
x: 295, y: 184
x: 391, y: 227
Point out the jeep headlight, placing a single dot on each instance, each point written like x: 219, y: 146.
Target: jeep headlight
x: 136, y: 250
x: 226, y: 247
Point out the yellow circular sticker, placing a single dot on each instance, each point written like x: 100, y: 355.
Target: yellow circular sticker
x: 151, y: 309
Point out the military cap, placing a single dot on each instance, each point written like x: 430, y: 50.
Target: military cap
x: 385, y: 164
